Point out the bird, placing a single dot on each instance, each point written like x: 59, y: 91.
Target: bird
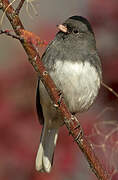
x: 74, y: 65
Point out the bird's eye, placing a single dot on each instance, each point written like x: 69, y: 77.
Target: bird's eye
x: 76, y: 31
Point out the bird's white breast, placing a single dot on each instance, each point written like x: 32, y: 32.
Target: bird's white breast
x: 79, y: 83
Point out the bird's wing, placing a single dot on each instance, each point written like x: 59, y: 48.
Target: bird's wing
x: 38, y: 105
x: 50, y: 53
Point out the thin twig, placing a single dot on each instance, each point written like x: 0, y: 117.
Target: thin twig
x: 7, y: 32
x: 1, y: 5
x: 70, y: 121
x: 20, y: 5
x: 110, y: 89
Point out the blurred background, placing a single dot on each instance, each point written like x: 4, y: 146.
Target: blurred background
x: 19, y: 127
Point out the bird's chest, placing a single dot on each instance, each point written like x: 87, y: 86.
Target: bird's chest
x: 79, y: 83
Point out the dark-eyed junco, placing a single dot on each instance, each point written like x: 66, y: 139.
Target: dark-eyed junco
x: 73, y: 63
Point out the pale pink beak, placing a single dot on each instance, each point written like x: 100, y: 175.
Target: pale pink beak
x: 62, y: 28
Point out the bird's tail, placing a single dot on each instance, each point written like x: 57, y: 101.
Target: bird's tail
x: 45, y: 153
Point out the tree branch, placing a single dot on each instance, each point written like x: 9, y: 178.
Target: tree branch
x: 71, y: 121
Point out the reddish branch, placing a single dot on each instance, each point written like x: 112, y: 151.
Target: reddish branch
x: 71, y: 122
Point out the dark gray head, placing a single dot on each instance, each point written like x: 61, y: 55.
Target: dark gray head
x: 76, y: 25
x: 78, y: 30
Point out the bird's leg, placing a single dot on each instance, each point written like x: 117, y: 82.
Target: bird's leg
x: 77, y: 128
x: 59, y: 100
x: 60, y: 97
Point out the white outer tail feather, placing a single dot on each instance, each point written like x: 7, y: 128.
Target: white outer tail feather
x: 45, y: 153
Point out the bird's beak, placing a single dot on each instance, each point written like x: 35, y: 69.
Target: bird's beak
x: 62, y: 28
